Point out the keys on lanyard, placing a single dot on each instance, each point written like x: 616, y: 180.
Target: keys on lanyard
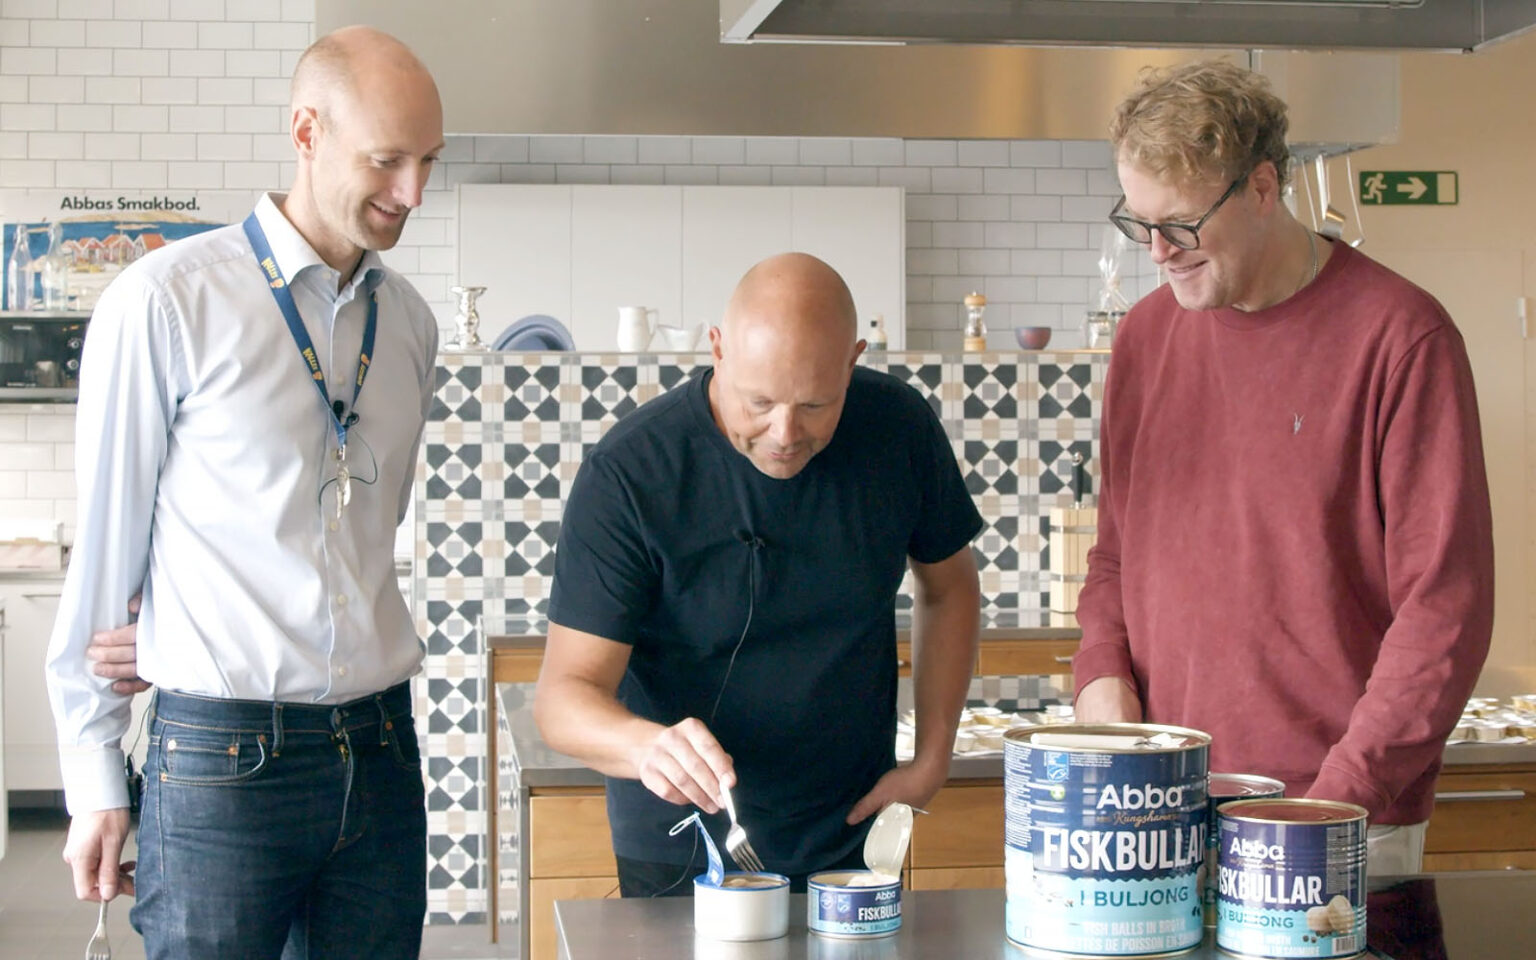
x: 343, y: 481
x: 341, y: 418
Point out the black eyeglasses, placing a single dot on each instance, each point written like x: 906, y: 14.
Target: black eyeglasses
x: 1185, y: 236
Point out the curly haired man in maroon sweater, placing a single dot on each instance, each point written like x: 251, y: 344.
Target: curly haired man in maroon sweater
x: 1295, y: 547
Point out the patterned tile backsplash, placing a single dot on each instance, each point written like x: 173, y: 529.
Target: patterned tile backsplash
x: 504, y: 441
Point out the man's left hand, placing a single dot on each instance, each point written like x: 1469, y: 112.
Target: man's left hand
x: 910, y: 784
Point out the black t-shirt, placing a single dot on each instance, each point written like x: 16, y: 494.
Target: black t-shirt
x: 672, y: 541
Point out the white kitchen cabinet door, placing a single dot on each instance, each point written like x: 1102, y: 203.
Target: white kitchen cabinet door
x: 725, y: 231
x: 516, y: 244
x: 5, y: 807
x: 31, y: 749
x: 31, y: 746
x: 580, y: 252
x: 861, y: 232
x: 626, y: 250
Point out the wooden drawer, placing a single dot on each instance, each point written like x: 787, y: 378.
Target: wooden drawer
x: 568, y: 835
x: 956, y: 878
x: 1489, y: 810
x: 517, y: 664
x: 1025, y: 657
x: 1008, y: 658
x: 964, y: 828
x: 543, y: 944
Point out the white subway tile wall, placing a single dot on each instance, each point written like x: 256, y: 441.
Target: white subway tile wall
x: 189, y: 94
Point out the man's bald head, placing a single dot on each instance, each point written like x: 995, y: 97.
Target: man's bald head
x: 784, y: 356
x: 333, y: 68
x: 794, y: 295
x: 366, y: 125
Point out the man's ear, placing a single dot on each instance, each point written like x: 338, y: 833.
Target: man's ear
x: 304, y: 130
x: 1265, y: 180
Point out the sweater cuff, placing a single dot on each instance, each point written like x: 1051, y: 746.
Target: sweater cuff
x: 1336, y: 783
x: 1101, y: 660
x: 94, y: 779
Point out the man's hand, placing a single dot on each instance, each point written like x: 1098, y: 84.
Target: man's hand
x: 911, y: 784
x: 94, y: 852
x: 1107, y: 700
x: 116, y: 655
x: 684, y: 763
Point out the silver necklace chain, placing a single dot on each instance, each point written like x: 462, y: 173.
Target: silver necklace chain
x: 1312, y: 272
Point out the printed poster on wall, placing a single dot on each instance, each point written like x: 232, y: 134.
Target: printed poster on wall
x: 77, y: 242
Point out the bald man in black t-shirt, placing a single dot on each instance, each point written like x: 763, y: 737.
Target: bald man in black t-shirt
x: 725, y: 590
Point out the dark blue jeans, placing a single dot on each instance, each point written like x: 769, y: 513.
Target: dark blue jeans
x: 285, y: 830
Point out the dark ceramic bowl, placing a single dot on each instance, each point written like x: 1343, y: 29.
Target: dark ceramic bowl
x: 1032, y: 338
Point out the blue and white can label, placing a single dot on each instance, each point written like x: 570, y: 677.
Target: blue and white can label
x: 1223, y: 788
x: 1105, y: 828
x: 855, y: 903
x: 1291, y: 879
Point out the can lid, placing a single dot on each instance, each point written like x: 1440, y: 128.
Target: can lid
x: 1293, y: 810
x: 885, y: 849
x: 1236, y: 785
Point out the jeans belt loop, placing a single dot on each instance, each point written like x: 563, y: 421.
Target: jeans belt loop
x: 277, y: 728
x: 386, y: 725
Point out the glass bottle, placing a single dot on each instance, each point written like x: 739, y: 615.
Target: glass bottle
x: 975, y: 326
x: 18, y: 272
x: 876, y: 339
x: 55, y: 270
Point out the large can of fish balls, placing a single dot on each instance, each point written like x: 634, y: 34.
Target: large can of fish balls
x: 1291, y: 878
x: 1105, y: 828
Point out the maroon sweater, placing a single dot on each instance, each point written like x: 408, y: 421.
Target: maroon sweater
x: 1295, y: 551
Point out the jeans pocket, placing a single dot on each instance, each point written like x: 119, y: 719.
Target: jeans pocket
x: 198, y: 757
x: 403, y: 744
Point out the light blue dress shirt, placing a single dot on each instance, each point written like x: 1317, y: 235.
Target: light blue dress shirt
x: 205, y: 469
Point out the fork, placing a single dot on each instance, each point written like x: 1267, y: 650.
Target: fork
x: 99, y: 948
x: 736, y: 843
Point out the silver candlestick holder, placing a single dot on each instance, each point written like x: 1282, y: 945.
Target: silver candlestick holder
x: 466, y: 323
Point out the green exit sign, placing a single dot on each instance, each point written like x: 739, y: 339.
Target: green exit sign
x: 1425, y: 187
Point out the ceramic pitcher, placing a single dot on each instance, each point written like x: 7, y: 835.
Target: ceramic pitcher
x: 637, y: 325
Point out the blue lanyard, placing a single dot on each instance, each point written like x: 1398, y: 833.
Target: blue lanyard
x: 284, y: 298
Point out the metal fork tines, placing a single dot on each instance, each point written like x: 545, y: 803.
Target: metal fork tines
x: 99, y: 948
x: 736, y: 843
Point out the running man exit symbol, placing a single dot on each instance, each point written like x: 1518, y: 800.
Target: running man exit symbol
x: 1402, y: 187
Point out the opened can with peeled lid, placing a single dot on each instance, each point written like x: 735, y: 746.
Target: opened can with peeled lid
x: 858, y: 904
x: 1105, y: 828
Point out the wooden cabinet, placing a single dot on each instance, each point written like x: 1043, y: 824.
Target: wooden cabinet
x: 570, y: 856
x: 543, y: 944
x: 1008, y: 657
x: 963, y: 828
x: 1484, y: 819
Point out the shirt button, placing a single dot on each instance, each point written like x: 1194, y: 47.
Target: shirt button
x: 341, y: 671
x: 341, y: 599
x: 333, y: 525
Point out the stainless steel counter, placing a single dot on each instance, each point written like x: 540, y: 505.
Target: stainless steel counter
x: 540, y: 766
x: 512, y: 632
x: 1444, y: 917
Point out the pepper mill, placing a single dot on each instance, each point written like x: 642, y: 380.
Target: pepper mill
x: 466, y: 323
x: 975, y: 327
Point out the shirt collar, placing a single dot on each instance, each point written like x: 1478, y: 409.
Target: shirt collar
x: 294, y: 255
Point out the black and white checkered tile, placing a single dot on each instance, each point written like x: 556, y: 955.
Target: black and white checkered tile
x: 506, y: 435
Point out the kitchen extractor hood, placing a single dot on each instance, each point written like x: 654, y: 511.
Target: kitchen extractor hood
x: 636, y: 67
x: 1447, y: 25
